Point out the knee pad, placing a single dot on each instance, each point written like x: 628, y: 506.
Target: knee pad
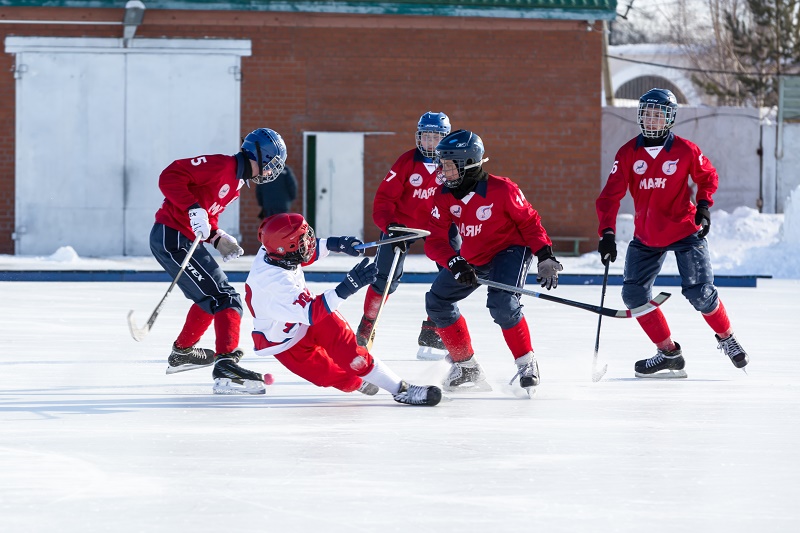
x: 504, y: 308
x: 634, y: 296
x: 703, y: 297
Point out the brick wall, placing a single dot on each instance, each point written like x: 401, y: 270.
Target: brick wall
x: 529, y: 88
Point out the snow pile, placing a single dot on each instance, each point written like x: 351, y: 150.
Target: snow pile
x: 65, y: 254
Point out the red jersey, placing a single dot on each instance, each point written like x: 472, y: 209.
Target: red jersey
x: 658, y: 181
x: 491, y: 218
x: 406, y: 193
x: 209, y: 180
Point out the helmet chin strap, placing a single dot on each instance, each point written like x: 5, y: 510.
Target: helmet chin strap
x: 479, y: 163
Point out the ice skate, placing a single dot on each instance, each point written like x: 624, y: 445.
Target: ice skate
x: 368, y: 388
x: 418, y: 394
x: 230, y: 378
x: 365, y: 328
x: 731, y: 347
x: 466, y: 376
x: 431, y: 347
x: 182, y: 359
x: 664, y: 364
x: 528, y: 372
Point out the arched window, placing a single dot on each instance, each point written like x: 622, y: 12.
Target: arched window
x: 633, y: 89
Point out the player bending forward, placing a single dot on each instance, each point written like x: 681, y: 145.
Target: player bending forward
x: 304, y: 331
x: 501, y: 233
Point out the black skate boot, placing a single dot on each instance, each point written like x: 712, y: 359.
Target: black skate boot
x: 670, y: 360
x: 731, y: 347
x: 182, y: 359
x: 418, y: 395
x: 466, y: 376
x: 368, y: 388
x: 431, y: 347
x: 230, y: 378
x: 363, y: 332
x: 528, y: 372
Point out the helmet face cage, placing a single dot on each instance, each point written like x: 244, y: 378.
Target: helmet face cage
x: 293, y: 247
x: 657, y: 111
x: 464, y: 149
x: 437, y: 125
x: 266, y: 147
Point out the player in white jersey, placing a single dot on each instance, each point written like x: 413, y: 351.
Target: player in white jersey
x: 304, y: 331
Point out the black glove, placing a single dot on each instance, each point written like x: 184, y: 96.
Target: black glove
x: 403, y: 245
x: 548, y: 268
x: 361, y: 275
x: 462, y: 271
x: 344, y: 245
x: 608, y: 247
x: 702, y: 218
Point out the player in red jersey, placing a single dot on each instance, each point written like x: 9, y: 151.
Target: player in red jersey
x: 404, y: 198
x: 304, y: 331
x: 655, y: 167
x: 196, y: 191
x: 501, y: 232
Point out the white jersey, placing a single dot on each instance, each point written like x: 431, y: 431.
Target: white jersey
x: 282, y: 306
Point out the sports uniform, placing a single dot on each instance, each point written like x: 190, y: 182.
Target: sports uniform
x: 196, y: 191
x: 303, y: 330
x: 404, y: 198
x: 655, y: 168
x: 501, y: 232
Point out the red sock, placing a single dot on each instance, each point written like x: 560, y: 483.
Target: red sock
x: 457, y: 341
x: 226, y: 325
x: 719, y: 321
x: 518, y: 339
x: 372, y: 302
x: 655, y: 325
x: 197, y: 322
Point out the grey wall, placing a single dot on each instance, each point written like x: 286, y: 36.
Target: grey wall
x: 729, y: 136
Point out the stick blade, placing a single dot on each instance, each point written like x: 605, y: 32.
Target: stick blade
x: 137, y: 333
x: 597, y: 375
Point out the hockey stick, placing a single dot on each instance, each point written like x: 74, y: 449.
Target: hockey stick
x: 597, y: 375
x: 385, y: 297
x: 613, y: 313
x: 139, y: 333
x: 413, y: 234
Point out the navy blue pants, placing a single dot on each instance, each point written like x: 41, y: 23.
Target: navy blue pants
x: 643, y: 263
x: 385, y: 256
x: 510, y: 266
x: 203, y: 281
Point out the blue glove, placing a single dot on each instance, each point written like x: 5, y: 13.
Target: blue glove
x: 361, y: 275
x: 345, y: 245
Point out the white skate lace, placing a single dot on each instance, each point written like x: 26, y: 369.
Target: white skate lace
x: 730, y: 347
x: 525, y: 371
x: 414, y: 394
x: 653, y: 361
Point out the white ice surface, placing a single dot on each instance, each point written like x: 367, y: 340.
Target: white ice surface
x: 95, y: 437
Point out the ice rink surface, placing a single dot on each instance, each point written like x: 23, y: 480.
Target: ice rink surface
x: 95, y: 436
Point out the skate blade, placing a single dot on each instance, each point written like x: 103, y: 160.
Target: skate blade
x: 184, y: 368
x: 481, y: 386
x: 226, y: 386
x: 670, y: 374
x: 426, y: 353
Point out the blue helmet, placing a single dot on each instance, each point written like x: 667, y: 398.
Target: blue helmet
x: 431, y: 122
x: 266, y: 147
x: 463, y: 148
x: 653, y: 105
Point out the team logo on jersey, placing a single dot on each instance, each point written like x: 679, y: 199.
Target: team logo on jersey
x: 484, y: 212
x: 415, y: 180
x: 640, y: 167
x: 224, y: 190
x: 670, y: 167
x: 653, y: 183
x: 456, y: 210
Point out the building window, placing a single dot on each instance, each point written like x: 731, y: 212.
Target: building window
x: 635, y: 88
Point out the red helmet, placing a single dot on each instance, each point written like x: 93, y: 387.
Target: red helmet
x: 288, y: 239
